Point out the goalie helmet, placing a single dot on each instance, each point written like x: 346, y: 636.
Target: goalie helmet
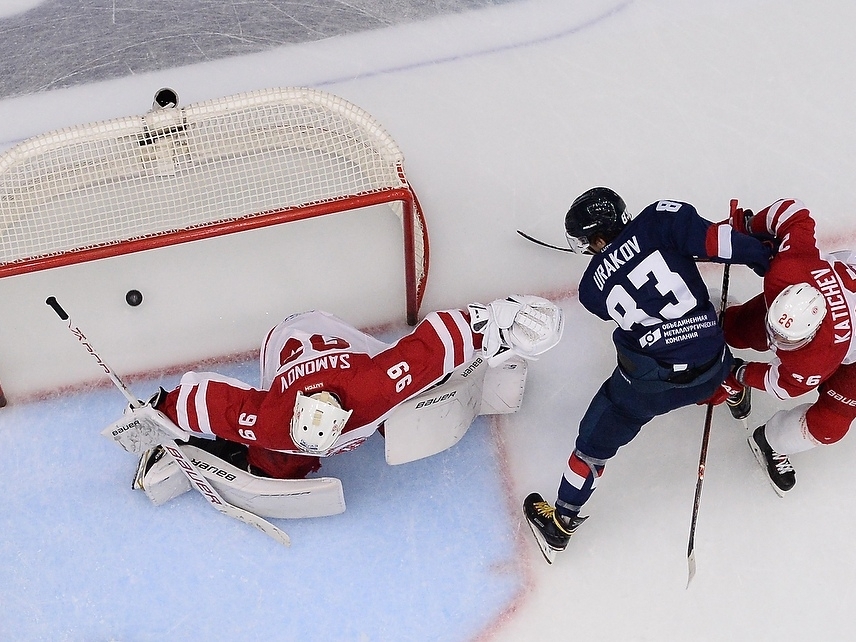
x: 598, y: 212
x: 317, y: 421
x: 795, y: 316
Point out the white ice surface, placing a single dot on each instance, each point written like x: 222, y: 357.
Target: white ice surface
x: 504, y: 116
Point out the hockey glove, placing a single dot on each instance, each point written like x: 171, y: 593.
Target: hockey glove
x: 741, y: 220
x: 144, y: 427
x: 523, y: 325
x: 732, y: 389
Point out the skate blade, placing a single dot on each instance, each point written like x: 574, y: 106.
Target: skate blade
x: 137, y: 484
x: 762, y: 462
x: 547, y: 551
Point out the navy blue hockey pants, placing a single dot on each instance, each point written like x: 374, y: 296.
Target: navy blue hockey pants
x: 615, y: 415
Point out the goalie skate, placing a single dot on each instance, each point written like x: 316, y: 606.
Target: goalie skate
x: 143, y: 466
x: 162, y: 480
x: 158, y: 477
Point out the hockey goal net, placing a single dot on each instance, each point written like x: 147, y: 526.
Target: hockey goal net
x: 178, y: 174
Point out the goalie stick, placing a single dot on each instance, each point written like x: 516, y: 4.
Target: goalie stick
x: 195, y: 478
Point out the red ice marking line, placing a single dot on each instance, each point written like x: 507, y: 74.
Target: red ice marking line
x: 146, y: 375
x: 211, y: 363
x: 498, y: 423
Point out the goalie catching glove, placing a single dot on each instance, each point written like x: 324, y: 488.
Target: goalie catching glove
x: 521, y: 324
x: 144, y: 427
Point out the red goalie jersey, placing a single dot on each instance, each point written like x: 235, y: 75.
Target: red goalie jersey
x: 316, y: 351
x: 793, y: 373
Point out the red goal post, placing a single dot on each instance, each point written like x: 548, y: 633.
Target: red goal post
x: 179, y: 174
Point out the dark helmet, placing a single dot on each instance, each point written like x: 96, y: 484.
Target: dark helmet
x: 597, y: 212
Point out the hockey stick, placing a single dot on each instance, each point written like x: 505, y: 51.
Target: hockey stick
x: 534, y: 240
x: 705, y: 439
x: 196, y: 480
x: 567, y: 249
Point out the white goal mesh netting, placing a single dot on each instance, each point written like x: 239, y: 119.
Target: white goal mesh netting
x: 176, y: 174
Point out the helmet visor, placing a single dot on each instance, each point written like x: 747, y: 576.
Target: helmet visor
x: 778, y: 341
x: 578, y: 244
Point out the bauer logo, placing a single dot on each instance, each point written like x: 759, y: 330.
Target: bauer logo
x: 124, y: 427
x: 441, y: 398
x: 214, y: 470
x: 472, y: 367
x: 650, y: 338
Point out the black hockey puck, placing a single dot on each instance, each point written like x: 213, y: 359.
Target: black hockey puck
x: 134, y: 298
x: 165, y: 98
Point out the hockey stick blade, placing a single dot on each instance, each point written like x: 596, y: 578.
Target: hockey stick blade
x: 542, y: 243
x: 690, y: 567
x: 705, y: 440
x: 230, y: 510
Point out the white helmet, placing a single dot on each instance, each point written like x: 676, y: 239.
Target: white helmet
x: 795, y: 316
x: 317, y: 422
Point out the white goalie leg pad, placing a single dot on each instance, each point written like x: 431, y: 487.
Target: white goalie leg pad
x: 503, y: 387
x: 437, y: 419
x: 264, y: 496
x: 142, y: 429
x: 432, y: 421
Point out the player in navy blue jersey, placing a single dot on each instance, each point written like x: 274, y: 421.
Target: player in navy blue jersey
x: 671, y: 350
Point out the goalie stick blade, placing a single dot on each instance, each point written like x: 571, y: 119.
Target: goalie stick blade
x: 262, y: 524
x: 198, y: 481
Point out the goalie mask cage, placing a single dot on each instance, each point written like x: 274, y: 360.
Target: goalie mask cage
x: 179, y: 174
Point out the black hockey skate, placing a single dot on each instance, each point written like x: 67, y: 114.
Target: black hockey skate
x: 740, y: 403
x: 230, y: 452
x: 778, y: 467
x: 147, y: 460
x: 551, y: 532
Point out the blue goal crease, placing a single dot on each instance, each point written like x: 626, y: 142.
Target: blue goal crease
x: 425, y: 550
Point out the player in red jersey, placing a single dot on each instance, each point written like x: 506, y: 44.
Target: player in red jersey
x: 326, y: 386
x: 805, y: 317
